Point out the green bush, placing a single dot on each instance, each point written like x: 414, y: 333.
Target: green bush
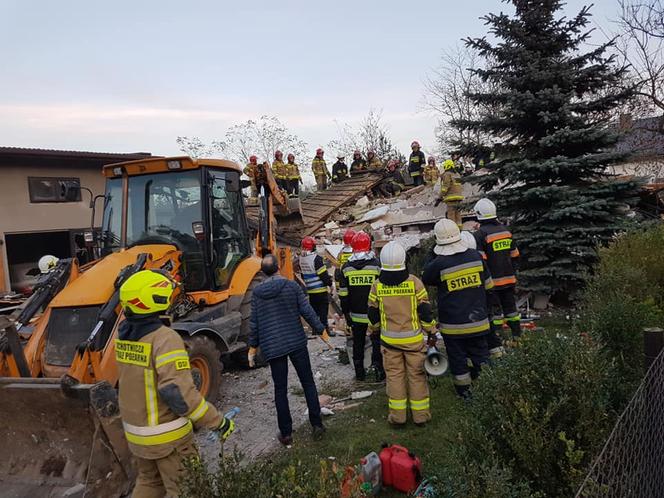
x: 535, y: 421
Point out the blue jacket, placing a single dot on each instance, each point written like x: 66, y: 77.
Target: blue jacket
x: 275, y: 325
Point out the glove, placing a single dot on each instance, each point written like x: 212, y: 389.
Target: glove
x: 226, y: 428
x: 251, y: 357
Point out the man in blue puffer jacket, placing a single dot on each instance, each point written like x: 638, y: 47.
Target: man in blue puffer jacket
x: 275, y: 325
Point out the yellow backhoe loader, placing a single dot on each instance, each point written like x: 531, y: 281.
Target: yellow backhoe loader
x: 59, y: 420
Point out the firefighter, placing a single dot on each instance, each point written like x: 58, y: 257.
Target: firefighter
x: 431, y: 174
x: 399, y: 310
x: 358, y: 164
x: 357, y: 277
x: 293, y: 176
x: 494, y: 341
x: 462, y: 280
x: 451, y: 191
x: 320, y: 171
x: 416, y: 163
x: 373, y: 163
x: 497, y: 247
x: 280, y: 170
x: 339, y: 170
x: 347, y: 249
x: 251, y: 170
x: 316, y: 279
x: 159, y: 403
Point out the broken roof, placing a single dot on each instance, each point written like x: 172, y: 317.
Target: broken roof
x: 642, y: 137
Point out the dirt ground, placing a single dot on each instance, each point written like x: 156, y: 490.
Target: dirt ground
x: 252, y: 391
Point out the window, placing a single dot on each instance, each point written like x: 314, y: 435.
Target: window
x: 54, y: 189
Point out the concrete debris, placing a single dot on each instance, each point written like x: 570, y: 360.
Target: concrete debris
x: 75, y: 491
x: 331, y: 225
x: 360, y: 394
x: 375, y: 213
x: 363, y: 201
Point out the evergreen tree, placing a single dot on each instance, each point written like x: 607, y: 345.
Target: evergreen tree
x: 551, y: 105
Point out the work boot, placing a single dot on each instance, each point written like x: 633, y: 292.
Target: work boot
x: 317, y: 432
x: 380, y: 374
x: 360, y: 372
x: 515, y: 327
x: 285, y: 440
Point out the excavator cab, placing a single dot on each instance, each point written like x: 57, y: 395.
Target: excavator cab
x: 180, y: 215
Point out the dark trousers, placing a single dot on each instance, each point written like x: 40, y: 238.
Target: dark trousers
x: 294, y: 188
x: 359, y: 341
x: 302, y: 365
x: 503, y: 309
x: 461, y: 349
x: 320, y: 303
x: 418, y: 179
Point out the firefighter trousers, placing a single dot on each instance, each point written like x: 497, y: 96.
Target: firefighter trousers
x: 454, y: 212
x: 503, y: 310
x: 159, y: 478
x: 320, y: 302
x: 321, y: 182
x: 461, y: 350
x: 359, y: 343
x: 406, y: 385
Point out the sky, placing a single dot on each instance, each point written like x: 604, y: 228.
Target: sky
x: 132, y: 75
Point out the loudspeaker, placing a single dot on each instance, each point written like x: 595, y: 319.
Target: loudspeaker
x: 436, y: 363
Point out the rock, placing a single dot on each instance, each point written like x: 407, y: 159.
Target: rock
x: 331, y: 225
x: 75, y: 491
x: 362, y: 201
x: 375, y: 213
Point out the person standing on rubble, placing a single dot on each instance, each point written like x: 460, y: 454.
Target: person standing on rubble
x: 399, y: 311
x: 451, y: 191
x: 275, y: 325
x: 159, y: 403
x: 280, y: 171
x: 251, y: 170
x: 359, y: 164
x: 339, y: 170
x: 416, y: 163
x: 294, y: 178
x: 320, y: 171
x: 357, y: 277
x: 462, y: 280
x: 498, y: 249
x: 431, y: 173
x: 316, y: 279
x: 373, y: 163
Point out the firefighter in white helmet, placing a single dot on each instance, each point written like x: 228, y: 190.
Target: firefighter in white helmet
x: 462, y: 279
x: 497, y: 247
x: 400, y: 311
x: 159, y: 403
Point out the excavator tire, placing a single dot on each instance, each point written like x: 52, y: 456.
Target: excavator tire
x: 206, y: 365
x: 245, y: 310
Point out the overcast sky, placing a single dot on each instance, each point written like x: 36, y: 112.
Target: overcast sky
x: 132, y: 75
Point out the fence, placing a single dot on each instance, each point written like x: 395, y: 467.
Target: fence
x: 631, y: 463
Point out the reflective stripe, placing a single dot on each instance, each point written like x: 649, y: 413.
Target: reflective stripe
x: 488, y: 283
x: 463, y: 266
x: 462, y: 380
x: 151, y: 398
x: 421, y: 294
x: 465, y: 328
x: 398, y: 404
x: 359, y: 317
x: 343, y: 292
x: 461, y: 270
x: 504, y: 281
x: 365, y: 270
x: 453, y: 198
x: 511, y: 317
x: 155, y: 430
x: 498, y: 235
x: 422, y: 404
x: 165, y: 358
x: 414, y: 318
x: 515, y: 253
x: 372, y: 297
x: 415, y: 173
x: 322, y: 270
x: 167, y: 437
x: 499, y: 322
x: 430, y: 324
x: 317, y: 291
x: 495, y: 353
x: 401, y: 337
x: 483, y: 254
x: 200, y: 410
x: 393, y: 267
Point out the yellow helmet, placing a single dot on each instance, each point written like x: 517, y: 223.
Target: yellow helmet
x: 147, y: 292
x: 449, y: 164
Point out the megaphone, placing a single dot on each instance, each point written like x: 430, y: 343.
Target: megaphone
x: 436, y: 363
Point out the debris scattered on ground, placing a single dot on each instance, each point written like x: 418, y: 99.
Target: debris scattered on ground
x: 360, y: 394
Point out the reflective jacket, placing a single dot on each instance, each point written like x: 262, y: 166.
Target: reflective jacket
x: 292, y: 171
x: 462, y: 280
x: 374, y: 164
x: 344, y: 255
x: 159, y: 403
x: 314, y: 273
x: 358, y: 165
x: 416, y: 163
x: 357, y: 277
x: 497, y: 247
x: 339, y: 171
x: 319, y: 167
x: 250, y: 170
x: 279, y: 169
x: 431, y: 174
x: 400, y: 310
x: 451, y: 189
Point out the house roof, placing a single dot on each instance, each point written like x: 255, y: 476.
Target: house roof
x: 643, y: 137
x: 19, y: 155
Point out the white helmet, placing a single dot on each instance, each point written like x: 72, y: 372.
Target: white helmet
x: 47, y: 263
x: 448, y: 238
x: 393, y: 257
x: 469, y: 239
x: 485, y: 209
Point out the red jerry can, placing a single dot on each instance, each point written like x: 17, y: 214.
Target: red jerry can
x: 385, y: 463
x: 406, y: 469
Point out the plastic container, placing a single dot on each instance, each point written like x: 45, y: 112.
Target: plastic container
x: 406, y: 469
x: 386, y: 464
x: 213, y: 436
x: 371, y: 472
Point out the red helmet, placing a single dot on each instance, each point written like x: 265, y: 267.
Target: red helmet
x: 291, y: 157
x: 278, y: 154
x: 308, y: 243
x: 415, y: 144
x: 348, y: 236
x: 319, y: 152
x: 253, y: 159
x: 361, y: 242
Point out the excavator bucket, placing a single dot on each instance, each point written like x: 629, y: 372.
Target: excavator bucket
x: 57, y: 445
x: 289, y: 215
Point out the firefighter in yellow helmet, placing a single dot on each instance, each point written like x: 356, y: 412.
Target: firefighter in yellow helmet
x: 451, y: 190
x: 400, y: 311
x: 159, y: 403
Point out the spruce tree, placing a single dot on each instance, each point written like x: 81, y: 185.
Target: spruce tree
x: 550, y: 115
